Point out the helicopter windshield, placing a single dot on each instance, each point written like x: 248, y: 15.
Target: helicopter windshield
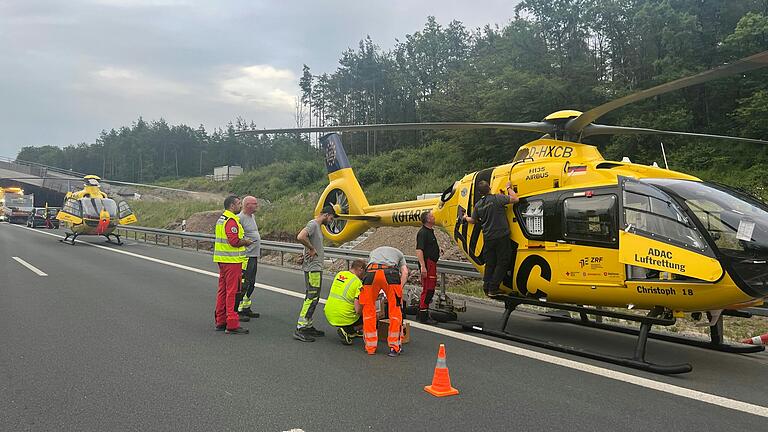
x: 736, y: 223
x: 92, y: 207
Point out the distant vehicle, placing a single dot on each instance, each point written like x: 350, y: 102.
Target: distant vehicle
x: 15, y: 207
x: 44, y: 218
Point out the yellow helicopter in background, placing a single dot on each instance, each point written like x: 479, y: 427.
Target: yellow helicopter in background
x: 588, y: 231
x: 90, y: 212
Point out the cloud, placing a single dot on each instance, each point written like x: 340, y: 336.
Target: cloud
x: 140, y: 3
x: 130, y: 83
x: 258, y: 86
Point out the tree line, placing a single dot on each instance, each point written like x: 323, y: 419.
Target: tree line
x: 551, y: 55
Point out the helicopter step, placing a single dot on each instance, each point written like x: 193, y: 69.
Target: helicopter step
x: 716, y: 332
x: 637, y: 361
x: 109, y: 239
x: 67, y: 240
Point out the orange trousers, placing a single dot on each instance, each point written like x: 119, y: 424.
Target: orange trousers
x: 374, y: 282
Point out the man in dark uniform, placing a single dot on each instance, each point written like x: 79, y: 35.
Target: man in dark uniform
x: 490, y: 212
x: 428, y: 252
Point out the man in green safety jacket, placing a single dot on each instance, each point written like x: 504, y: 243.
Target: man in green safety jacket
x: 229, y: 254
x: 343, y: 309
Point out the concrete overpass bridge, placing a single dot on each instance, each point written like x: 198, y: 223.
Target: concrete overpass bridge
x: 49, y: 184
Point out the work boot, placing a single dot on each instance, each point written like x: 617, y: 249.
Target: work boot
x: 424, y: 318
x: 346, y: 338
x: 493, y: 292
x: 238, y: 330
x: 312, y: 331
x: 243, y: 318
x: 249, y: 313
x: 221, y: 327
x: 393, y: 353
x: 299, y: 334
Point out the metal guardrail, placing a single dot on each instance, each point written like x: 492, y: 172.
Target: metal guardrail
x: 443, y: 266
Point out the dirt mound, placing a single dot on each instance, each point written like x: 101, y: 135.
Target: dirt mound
x: 203, y: 222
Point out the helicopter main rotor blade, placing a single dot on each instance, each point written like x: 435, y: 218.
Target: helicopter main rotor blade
x: 540, y: 127
x: 109, y: 182
x: 596, y: 129
x: 746, y: 64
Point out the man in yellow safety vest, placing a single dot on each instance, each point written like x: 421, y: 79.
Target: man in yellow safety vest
x: 229, y: 254
x: 343, y: 309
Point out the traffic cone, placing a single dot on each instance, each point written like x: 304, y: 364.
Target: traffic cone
x: 441, y: 380
x: 757, y: 340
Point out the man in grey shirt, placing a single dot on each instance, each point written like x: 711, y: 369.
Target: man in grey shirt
x: 252, y: 252
x: 312, y: 238
x: 498, y: 248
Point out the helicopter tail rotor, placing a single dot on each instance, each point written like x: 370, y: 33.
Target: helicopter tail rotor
x: 343, y: 193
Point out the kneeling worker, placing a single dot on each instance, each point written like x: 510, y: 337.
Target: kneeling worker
x: 342, y: 309
x: 387, y: 271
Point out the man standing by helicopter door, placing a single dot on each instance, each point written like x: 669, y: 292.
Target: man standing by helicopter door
x: 490, y: 212
x: 428, y: 252
x: 229, y: 254
x: 252, y: 253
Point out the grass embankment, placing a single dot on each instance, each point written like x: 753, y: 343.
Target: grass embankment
x: 275, y: 219
x: 160, y: 214
x: 198, y: 184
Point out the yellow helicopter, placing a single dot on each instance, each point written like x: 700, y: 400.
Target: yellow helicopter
x: 90, y: 212
x: 590, y: 231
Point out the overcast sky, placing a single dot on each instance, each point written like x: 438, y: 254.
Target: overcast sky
x: 70, y: 69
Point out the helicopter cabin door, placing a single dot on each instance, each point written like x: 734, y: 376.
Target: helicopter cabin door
x: 125, y: 214
x: 658, y: 240
x: 71, y: 212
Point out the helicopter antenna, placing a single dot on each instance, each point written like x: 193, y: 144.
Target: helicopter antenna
x: 663, y: 153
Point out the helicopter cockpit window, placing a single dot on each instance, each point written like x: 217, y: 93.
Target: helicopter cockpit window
x: 92, y: 207
x: 591, y: 219
x: 735, y: 222
x: 648, y: 211
x: 532, y: 215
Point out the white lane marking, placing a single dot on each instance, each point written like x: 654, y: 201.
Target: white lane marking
x: 30, y: 266
x: 721, y: 401
x: 295, y: 430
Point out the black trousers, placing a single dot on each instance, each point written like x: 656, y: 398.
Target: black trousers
x: 499, y: 257
x: 249, y: 279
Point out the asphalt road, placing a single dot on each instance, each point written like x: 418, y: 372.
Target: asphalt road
x: 125, y: 341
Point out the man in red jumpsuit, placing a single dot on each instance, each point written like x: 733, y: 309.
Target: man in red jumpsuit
x: 229, y: 254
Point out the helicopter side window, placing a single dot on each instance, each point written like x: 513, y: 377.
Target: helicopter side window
x: 73, y: 207
x: 591, y: 219
x: 124, y: 210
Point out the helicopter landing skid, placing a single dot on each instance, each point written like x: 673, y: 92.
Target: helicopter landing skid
x: 715, y: 343
x: 67, y: 240
x: 109, y: 239
x: 637, y: 361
